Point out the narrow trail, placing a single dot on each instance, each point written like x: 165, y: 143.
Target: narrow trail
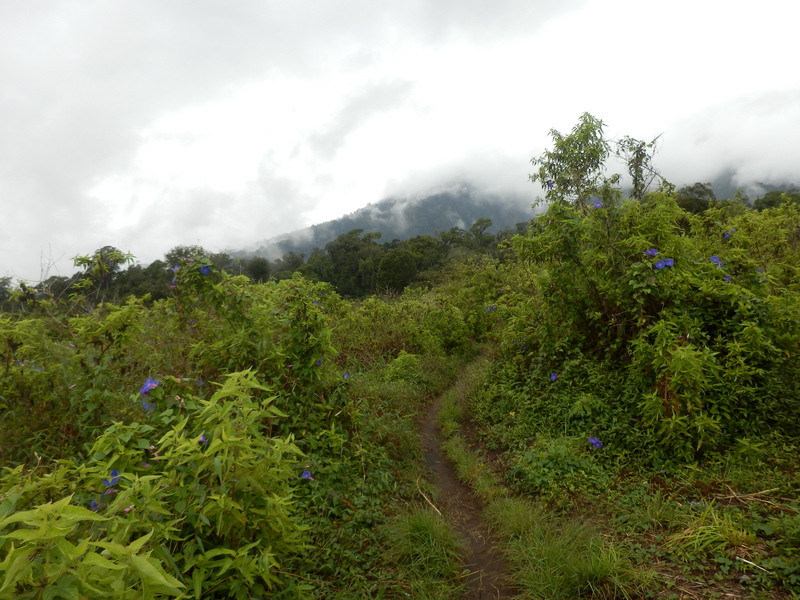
x: 463, y: 510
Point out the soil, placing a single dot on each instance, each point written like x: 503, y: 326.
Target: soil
x: 459, y: 505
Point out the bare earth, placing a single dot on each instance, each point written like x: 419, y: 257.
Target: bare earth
x: 463, y: 510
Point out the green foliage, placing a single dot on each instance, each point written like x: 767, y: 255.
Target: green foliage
x: 681, y: 352
x: 572, y: 171
x: 199, y: 500
x: 711, y: 532
x: 99, y: 271
x: 396, y: 270
x: 559, y: 558
x: 426, y: 547
x: 557, y: 469
x: 695, y: 198
x: 775, y: 198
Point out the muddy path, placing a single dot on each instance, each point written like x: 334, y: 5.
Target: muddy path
x: 463, y: 510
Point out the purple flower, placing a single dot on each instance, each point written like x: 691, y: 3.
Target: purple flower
x: 727, y: 279
x: 149, y: 384
x: 598, y: 204
x: 550, y: 185
x: 318, y: 363
x: 346, y: 375
x: 553, y: 376
x: 110, y: 491
x: 733, y: 229
x: 595, y: 442
x: 147, y: 406
x: 175, y: 269
x: 715, y: 259
x: 203, y: 439
x: 307, y: 475
x: 726, y: 235
x: 670, y: 262
x: 660, y: 264
x: 113, y: 479
x: 93, y: 505
x: 651, y: 252
x: 205, y: 269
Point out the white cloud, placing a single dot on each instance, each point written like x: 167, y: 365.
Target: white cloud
x: 146, y: 124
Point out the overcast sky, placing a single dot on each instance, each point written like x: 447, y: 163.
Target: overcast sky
x: 145, y: 124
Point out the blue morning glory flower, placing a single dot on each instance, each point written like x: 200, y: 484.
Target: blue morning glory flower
x: 598, y: 204
x: 651, y: 252
x: 670, y: 262
x: 318, y: 363
x: 553, y: 376
x: 346, y: 375
x: 595, y: 442
x: 715, y: 259
x: 660, y: 264
x: 307, y: 475
x: 726, y: 235
x: 149, y: 384
x: 205, y: 269
x: 93, y: 505
x: 726, y: 279
x: 203, y: 439
x: 113, y: 479
x: 148, y: 406
x: 550, y: 185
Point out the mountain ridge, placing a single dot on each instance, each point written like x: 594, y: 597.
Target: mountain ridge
x: 404, y: 217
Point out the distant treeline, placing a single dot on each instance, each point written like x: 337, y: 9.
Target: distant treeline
x: 356, y: 263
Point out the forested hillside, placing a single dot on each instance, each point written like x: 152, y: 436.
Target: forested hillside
x: 619, y: 382
x: 403, y: 218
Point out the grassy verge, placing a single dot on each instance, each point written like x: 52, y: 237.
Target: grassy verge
x: 551, y: 556
x: 576, y: 524
x: 372, y: 535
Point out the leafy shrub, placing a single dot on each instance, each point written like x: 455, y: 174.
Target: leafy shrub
x: 199, y: 501
x: 555, y: 469
x: 665, y: 343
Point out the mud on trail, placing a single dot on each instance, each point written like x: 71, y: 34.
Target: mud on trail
x: 487, y: 568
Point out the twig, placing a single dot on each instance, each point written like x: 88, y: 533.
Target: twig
x: 753, y: 564
x: 754, y: 496
x: 428, y: 500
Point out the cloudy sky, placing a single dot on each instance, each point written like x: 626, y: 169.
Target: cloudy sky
x: 145, y: 124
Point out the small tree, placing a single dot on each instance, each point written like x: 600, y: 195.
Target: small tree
x: 396, y: 270
x: 695, y: 198
x: 258, y: 269
x: 572, y: 171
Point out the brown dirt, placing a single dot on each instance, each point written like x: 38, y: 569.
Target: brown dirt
x: 460, y: 506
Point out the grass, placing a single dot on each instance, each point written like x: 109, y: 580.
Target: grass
x: 711, y: 532
x: 428, y: 552
x: 552, y: 556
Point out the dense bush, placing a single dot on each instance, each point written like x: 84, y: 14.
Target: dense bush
x: 652, y: 328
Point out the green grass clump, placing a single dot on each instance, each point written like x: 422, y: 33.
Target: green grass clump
x: 559, y: 558
x: 425, y: 547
